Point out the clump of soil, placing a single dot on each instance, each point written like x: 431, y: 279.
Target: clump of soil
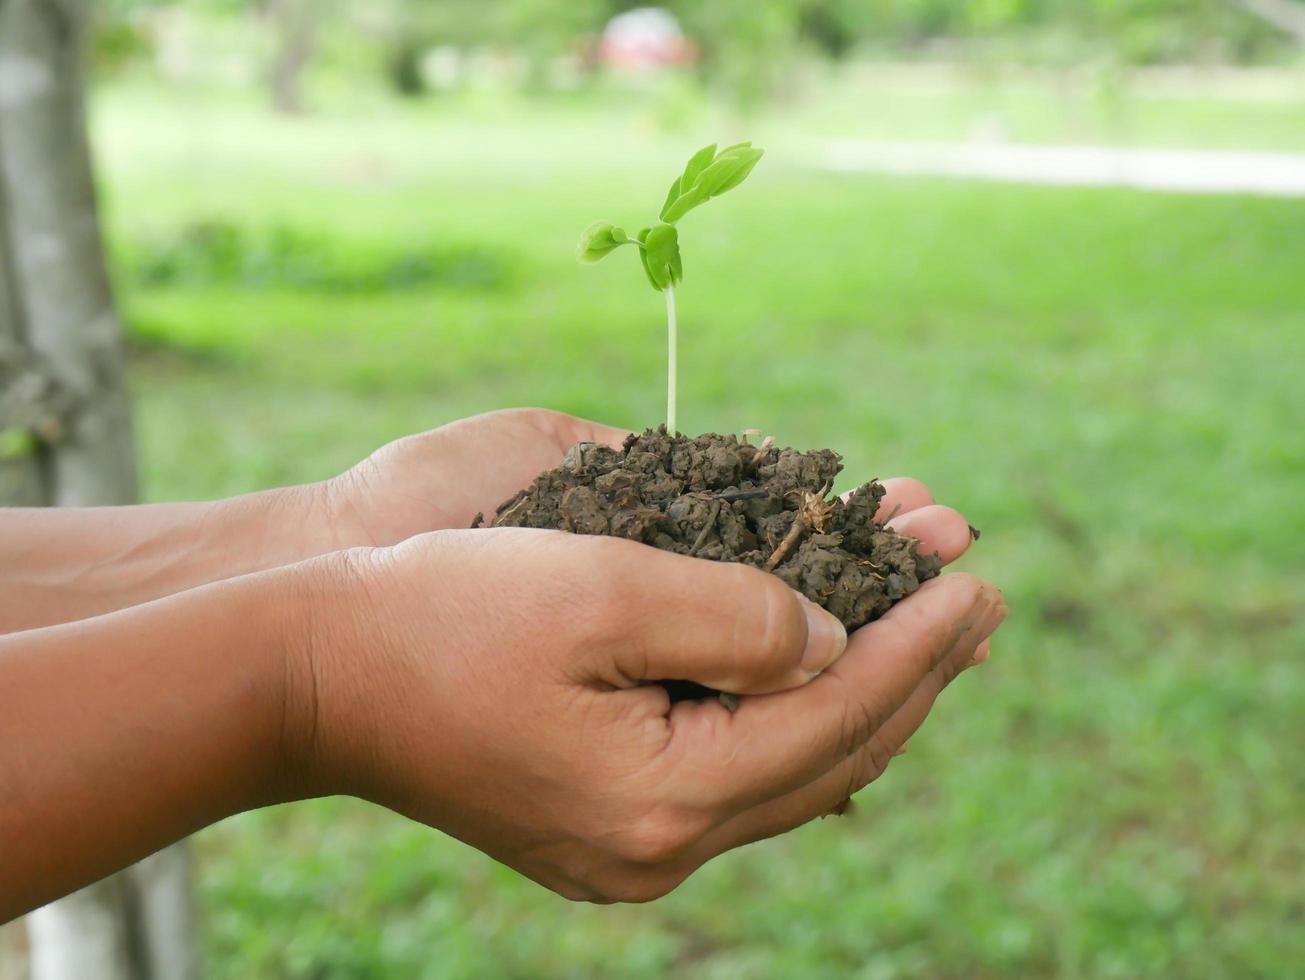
x: 718, y: 498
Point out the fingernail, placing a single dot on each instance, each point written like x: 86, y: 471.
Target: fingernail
x: 902, y: 749
x: 826, y: 639
x: 981, y: 654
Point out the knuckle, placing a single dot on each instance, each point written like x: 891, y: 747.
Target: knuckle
x: 951, y: 668
x: 773, y: 629
x: 871, y: 763
x: 859, y: 723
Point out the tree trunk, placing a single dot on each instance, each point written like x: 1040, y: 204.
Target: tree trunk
x: 62, y: 368
x: 294, y: 23
x: 21, y: 480
x: 58, y: 257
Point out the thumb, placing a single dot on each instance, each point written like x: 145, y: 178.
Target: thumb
x: 726, y: 626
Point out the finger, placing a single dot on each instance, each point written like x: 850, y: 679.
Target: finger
x: 902, y: 494
x: 605, y: 435
x: 774, y: 745
x: 827, y: 792
x: 567, y: 430
x: 938, y: 528
x: 727, y: 626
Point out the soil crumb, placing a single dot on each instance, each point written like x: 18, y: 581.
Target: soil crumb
x: 718, y: 498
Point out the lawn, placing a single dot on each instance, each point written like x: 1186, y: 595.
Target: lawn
x: 1107, y: 382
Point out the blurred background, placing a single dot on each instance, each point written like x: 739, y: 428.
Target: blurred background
x: 1048, y: 256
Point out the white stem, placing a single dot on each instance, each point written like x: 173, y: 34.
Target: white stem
x: 671, y: 357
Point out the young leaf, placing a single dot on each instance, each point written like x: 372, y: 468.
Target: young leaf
x: 750, y: 159
x: 673, y: 196
x: 662, y: 256
x: 598, y: 240
x: 729, y: 170
x: 704, y: 179
x: 683, y: 195
x: 685, y: 203
x: 642, y: 238
x: 697, y: 164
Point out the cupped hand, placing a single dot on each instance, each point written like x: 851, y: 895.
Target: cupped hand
x: 497, y: 684
x: 441, y: 479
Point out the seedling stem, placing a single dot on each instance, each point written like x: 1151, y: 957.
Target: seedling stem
x: 708, y: 174
x: 672, y: 357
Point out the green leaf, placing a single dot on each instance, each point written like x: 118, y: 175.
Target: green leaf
x: 642, y: 237
x: 598, y: 240
x: 697, y: 164
x: 728, y: 171
x: 684, y: 204
x: 662, y: 256
x: 707, y: 176
x: 750, y: 160
x: 671, y: 197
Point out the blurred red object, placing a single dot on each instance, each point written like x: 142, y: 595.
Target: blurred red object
x: 645, y: 38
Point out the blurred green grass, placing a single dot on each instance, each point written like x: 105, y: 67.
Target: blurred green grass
x: 1107, y: 382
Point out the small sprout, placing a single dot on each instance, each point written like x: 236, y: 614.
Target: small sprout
x: 661, y: 256
x: 598, y: 239
x: 709, y: 173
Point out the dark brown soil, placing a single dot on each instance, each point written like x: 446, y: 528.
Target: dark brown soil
x: 718, y: 498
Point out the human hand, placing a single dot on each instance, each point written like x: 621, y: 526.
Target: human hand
x: 441, y: 479
x: 495, y: 684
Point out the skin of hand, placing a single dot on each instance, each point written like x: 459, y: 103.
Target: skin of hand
x: 442, y: 478
x: 509, y: 703
x: 489, y: 683
x: 60, y: 565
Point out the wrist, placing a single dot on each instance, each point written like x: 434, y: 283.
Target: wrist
x: 294, y: 524
x: 332, y: 651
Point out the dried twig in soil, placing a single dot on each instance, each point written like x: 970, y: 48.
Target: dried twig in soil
x: 812, y: 513
x: 706, y: 529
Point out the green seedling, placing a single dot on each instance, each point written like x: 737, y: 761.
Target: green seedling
x: 709, y: 173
